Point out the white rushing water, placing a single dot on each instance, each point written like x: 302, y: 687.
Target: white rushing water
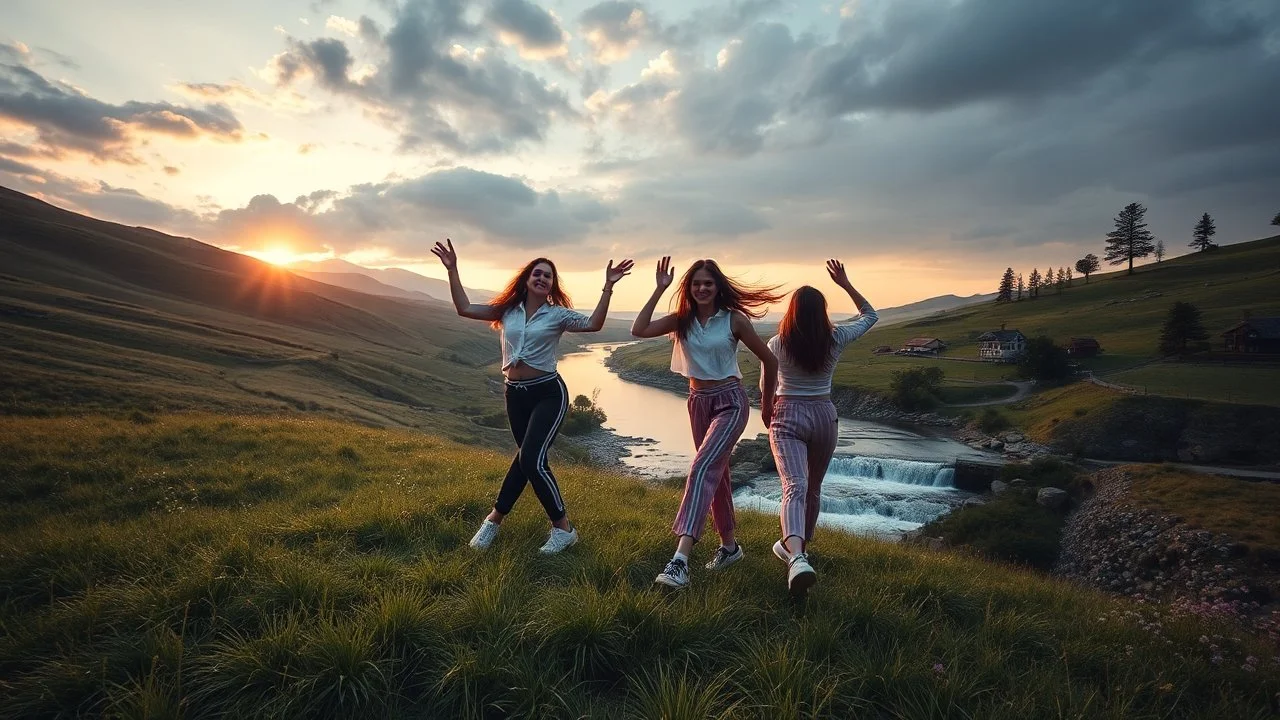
x: 883, y: 481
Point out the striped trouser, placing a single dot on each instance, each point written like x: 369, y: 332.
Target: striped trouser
x: 535, y: 409
x: 803, y: 437
x: 718, y: 416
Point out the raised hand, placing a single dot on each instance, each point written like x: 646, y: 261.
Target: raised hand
x: 665, y: 273
x: 835, y: 269
x: 448, y: 256
x: 614, y: 274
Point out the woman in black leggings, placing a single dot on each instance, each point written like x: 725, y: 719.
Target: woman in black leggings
x: 531, y: 313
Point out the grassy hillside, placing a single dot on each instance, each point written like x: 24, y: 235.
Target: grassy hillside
x: 98, y: 315
x: 1123, y: 312
x: 268, y: 567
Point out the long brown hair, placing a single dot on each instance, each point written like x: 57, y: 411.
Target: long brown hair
x: 517, y: 291
x: 805, y: 331
x: 731, y: 294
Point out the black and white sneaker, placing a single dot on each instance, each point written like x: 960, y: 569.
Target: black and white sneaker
x: 674, y: 575
x: 724, y: 557
x: 800, y: 574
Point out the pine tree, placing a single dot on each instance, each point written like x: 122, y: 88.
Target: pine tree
x: 1182, y: 326
x: 1087, y: 265
x: 1131, y: 238
x: 1061, y: 281
x: 1033, y: 284
x: 1202, y: 237
x: 1276, y: 220
x: 1068, y: 277
x: 1005, y: 293
x: 1021, y: 286
x: 1159, y: 251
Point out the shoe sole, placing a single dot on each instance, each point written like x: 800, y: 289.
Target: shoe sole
x: 801, y: 583
x: 667, y: 582
x: 556, y: 552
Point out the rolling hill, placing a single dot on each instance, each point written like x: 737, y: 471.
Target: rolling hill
x: 388, y: 280
x: 99, y: 315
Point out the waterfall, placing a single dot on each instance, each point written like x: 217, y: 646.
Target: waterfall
x: 907, y: 472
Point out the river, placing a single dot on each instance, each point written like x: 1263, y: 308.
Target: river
x: 884, y: 480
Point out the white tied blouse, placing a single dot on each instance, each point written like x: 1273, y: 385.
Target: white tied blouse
x: 798, y: 382
x: 709, y: 352
x: 535, y: 341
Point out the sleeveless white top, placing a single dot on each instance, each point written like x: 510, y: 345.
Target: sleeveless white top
x: 709, y: 352
x: 798, y: 382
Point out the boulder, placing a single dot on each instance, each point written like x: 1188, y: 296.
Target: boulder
x: 998, y: 486
x: 1018, y: 482
x: 1052, y: 498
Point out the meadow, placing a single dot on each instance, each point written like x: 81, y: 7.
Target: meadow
x: 199, y: 565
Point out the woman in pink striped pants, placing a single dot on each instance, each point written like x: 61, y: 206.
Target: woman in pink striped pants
x: 803, y: 428
x: 712, y: 316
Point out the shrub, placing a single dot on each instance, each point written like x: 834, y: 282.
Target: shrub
x: 1011, y: 527
x: 917, y: 388
x: 583, y: 416
x: 1044, y: 361
x: 992, y: 421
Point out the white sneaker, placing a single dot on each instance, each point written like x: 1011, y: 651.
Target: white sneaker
x: 559, y: 540
x: 485, y: 535
x: 781, y: 551
x: 674, y: 575
x: 800, y: 574
x: 723, y: 558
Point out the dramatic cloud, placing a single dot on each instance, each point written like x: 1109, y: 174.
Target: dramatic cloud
x: 529, y: 27
x: 437, y: 93
x: 65, y: 119
x: 615, y: 28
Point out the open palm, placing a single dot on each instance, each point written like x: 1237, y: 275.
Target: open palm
x: 665, y: 273
x: 836, y: 270
x: 448, y: 256
x: 614, y: 274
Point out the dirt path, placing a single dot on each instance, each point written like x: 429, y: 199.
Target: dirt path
x: 1023, y: 390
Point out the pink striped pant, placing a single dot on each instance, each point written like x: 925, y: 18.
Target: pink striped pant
x: 718, y: 416
x: 803, y: 437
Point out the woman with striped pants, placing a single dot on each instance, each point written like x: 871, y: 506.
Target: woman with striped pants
x: 802, y: 433
x: 712, y: 315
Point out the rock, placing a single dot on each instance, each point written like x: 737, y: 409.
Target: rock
x: 996, y: 445
x: 998, y: 486
x: 1052, y: 498
x: 935, y: 543
x: 1014, y: 437
x: 1018, y: 482
x: 973, y: 502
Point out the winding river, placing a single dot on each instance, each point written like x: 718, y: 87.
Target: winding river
x: 883, y: 481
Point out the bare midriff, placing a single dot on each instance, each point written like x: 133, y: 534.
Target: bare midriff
x: 520, y: 371
x: 700, y: 384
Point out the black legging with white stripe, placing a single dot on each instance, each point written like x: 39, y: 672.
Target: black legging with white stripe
x: 535, y: 408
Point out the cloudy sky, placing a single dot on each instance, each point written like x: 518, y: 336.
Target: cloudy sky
x: 928, y: 143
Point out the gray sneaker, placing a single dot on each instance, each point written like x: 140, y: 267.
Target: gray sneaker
x: 674, y: 575
x: 485, y: 535
x: 781, y: 551
x: 800, y: 574
x: 724, y: 558
x: 559, y: 540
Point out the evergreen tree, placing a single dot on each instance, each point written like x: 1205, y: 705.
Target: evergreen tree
x: 1033, y: 284
x: 1131, y: 238
x: 1087, y: 265
x: 1021, y: 286
x: 1005, y: 293
x: 1182, y: 326
x: 1159, y: 251
x: 1202, y: 237
x: 1276, y: 220
x: 1068, y: 277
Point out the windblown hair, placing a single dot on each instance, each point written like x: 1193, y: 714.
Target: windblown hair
x: 517, y: 291
x: 805, y: 331
x: 730, y: 294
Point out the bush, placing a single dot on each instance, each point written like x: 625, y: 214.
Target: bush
x: 583, y: 416
x: 992, y: 421
x: 1011, y: 527
x: 916, y: 389
x: 1043, y: 361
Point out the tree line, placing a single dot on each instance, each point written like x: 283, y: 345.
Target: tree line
x: 1128, y: 241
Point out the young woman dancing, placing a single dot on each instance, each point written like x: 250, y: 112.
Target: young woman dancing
x: 712, y: 315
x: 803, y: 431
x: 531, y: 313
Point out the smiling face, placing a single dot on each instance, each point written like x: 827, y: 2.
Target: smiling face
x: 703, y: 288
x: 541, y: 279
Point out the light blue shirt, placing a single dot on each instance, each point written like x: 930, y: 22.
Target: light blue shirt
x: 708, y: 352
x: 534, y: 342
x: 796, y: 381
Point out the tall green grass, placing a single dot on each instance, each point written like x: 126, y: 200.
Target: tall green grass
x: 207, y: 566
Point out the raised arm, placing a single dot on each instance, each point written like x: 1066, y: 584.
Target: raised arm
x: 862, y: 323
x: 645, y: 326
x: 449, y: 258
x: 746, y: 332
x: 611, y: 276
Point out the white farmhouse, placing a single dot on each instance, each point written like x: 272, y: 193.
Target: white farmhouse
x: 1001, y: 345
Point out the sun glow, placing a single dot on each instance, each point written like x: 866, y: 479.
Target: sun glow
x: 275, y: 254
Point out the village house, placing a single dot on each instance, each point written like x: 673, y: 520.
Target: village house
x: 1001, y: 345
x: 1083, y: 347
x: 924, y: 346
x: 1254, y: 335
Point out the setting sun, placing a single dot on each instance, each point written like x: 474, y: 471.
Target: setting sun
x: 276, y: 255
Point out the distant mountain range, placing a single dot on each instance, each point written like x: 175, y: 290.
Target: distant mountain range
x: 919, y: 309
x: 390, y: 282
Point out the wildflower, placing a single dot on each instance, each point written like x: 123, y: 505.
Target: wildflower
x: 938, y: 668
